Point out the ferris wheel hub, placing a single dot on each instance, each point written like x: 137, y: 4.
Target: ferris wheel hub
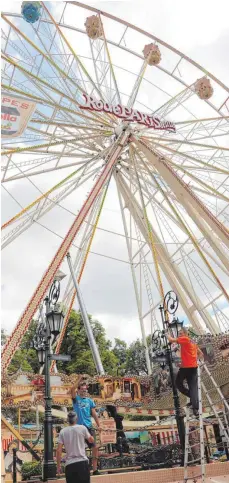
x: 120, y: 128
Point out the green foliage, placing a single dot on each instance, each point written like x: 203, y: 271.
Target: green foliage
x: 25, y: 359
x: 120, y: 351
x: 34, y: 468
x: 76, y: 344
x: 139, y: 417
x: 30, y: 469
x: 136, y: 362
x: 120, y: 359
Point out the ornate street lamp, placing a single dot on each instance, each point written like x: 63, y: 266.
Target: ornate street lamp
x: 163, y: 353
x: 41, y: 355
x: 52, y: 325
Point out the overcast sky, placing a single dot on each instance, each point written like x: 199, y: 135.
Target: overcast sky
x: 199, y: 29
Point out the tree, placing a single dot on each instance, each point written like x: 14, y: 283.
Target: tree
x: 136, y: 361
x: 120, y: 351
x: 76, y: 344
x: 25, y: 359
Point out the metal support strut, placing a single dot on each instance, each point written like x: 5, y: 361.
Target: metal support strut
x: 87, y: 325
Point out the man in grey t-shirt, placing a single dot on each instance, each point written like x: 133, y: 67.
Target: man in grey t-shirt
x: 73, y: 438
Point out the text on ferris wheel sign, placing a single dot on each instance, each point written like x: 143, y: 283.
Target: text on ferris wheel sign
x: 126, y: 113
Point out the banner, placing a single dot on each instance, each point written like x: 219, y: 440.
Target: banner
x: 15, y: 115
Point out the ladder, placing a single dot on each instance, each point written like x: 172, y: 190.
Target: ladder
x: 194, y: 432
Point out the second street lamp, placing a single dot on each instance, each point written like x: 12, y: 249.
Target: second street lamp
x: 163, y: 354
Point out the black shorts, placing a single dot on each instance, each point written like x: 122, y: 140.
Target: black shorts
x: 92, y: 433
x: 78, y: 472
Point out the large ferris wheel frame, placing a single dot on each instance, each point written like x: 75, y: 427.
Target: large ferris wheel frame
x: 154, y: 172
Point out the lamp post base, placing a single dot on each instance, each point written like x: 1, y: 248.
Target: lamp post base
x: 181, y: 432
x: 49, y: 471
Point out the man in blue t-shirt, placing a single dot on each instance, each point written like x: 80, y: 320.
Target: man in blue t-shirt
x: 85, y: 408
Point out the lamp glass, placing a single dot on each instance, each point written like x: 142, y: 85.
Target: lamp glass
x: 55, y: 321
x: 41, y: 356
x: 175, y: 326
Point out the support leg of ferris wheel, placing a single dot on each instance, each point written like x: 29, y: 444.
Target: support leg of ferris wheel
x: 189, y: 264
x: 171, y: 271
x: 87, y: 325
x: 25, y: 320
x: 185, y: 228
x: 203, y: 218
x: 137, y: 296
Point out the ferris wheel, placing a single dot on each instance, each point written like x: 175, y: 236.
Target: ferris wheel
x: 111, y: 107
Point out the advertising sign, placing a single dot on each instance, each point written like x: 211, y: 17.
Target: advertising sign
x: 15, y: 115
x: 108, y: 433
x: 128, y: 114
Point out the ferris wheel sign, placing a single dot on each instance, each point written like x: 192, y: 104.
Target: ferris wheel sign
x: 127, y: 113
x: 15, y: 114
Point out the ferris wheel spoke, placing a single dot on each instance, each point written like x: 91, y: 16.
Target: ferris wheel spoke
x: 207, y: 223
x: 190, y: 143
x: 47, y: 145
x: 103, y: 67
x: 209, y: 190
x: 63, y: 60
x: 43, y: 101
x: 172, y: 273
x: 168, y: 229
x: 137, y: 84
x: 118, y: 98
x: 39, y: 80
x: 28, y: 172
x: 60, y: 125
x: 38, y: 208
x: 137, y: 289
x: 42, y: 53
x: 55, y: 66
x: 214, y: 163
x: 176, y: 101
x: 32, y: 169
x: 30, y: 163
x: 203, y: 120
x: 168, y: 213
x: 205, y: 128
x: 79, y: 62
x: 190, y: 269
x: 191, y: 237
x: 188, y: 136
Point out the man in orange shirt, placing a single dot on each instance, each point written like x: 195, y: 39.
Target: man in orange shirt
x: 188, y: 370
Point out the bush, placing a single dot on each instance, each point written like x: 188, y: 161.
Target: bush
x: 30, y: 469
x: 34, y: 468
